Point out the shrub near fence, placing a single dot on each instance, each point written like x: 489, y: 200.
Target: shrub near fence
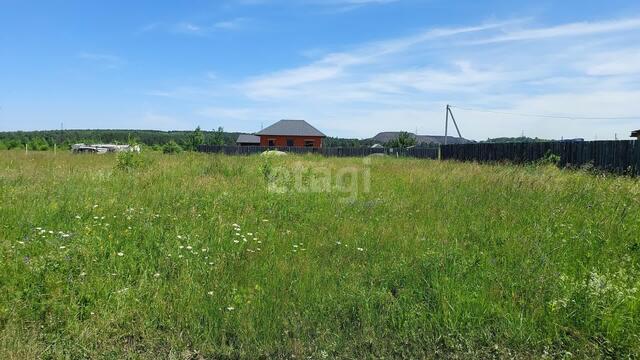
x: 422, y: 153
x: 614, y: 156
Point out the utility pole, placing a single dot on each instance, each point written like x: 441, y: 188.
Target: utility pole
x: 446, y: 124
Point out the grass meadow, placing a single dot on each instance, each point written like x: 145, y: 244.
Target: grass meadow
x: 199, y: 256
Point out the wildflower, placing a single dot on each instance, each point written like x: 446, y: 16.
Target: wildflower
x: 95, y: 218
x: 179, y: 237
x: 83, y: 273
x: 62, y: 247
x: 65, y: 235
x: 235, y: 225
x: 237, y: 234
x: 295, y: 246
x: 236, y: 241
x: 230, y: 308
x: 95, y: 206
x: 265, y: 220
x: 189, y: 247
x: 120, y: 254
x: 181, y: 247
x: 156, y: 275
x: 21, y: 242
x: 210, y: 263
x: 204, y: 249
x: 210, y: 293
x: 338, y: 243
x: 360, y: 249
x: 250, y: 234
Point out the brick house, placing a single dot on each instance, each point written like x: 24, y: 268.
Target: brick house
x: 297, y: 133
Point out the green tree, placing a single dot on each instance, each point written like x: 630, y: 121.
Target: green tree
x: 403, y: 141
x: 39, y: 144
x: 171, y: 148
x: 197, y: 138
x: 218, y: 137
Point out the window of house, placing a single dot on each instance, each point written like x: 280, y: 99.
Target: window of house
x: 309, y: 143
x: 289, y: 142
x: 272, y: 142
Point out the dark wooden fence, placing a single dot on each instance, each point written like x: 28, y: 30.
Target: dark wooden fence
x: 613, y: 156
x: 422, y: 153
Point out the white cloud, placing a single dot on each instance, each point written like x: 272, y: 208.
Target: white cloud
x: 566, y: 30
x: 332, y: 66
x: 188, y: 28
x: 198, y: 28
x: 587, y: 69
x: 107, y: 60
x: 620, y: 62
x: 232, y: 24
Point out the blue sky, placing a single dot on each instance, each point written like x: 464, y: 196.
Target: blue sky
x: 350, y: 67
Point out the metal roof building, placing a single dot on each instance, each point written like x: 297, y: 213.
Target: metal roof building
x: 291, y: 128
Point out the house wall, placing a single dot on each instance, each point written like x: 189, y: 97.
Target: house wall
x: 298, y: 141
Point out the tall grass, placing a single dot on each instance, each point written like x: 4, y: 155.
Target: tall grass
x: 439, y: 259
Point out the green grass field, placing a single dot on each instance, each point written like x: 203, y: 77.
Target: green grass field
x: 192, y: 256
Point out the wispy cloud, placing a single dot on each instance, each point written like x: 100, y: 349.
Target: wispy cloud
x: 588, y: 68
x: 107, y: 60
x: 232, y: 24
x: 331, y: 66
x: 565, y: 30
x: 198, y: 28
x: 329, y: 6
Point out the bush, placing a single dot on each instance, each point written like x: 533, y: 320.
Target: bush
x: 171, y: 148
x: 129, y: 160
x: 14, y: 144
x: 549, y: 159
x: 38, y: 144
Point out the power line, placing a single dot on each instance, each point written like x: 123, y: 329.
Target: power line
x: 550, y: 116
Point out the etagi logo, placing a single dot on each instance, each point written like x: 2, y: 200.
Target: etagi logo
x: 314, y: 178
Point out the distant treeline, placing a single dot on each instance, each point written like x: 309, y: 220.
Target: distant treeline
x: 521, y: 139
x: 63, y: 139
